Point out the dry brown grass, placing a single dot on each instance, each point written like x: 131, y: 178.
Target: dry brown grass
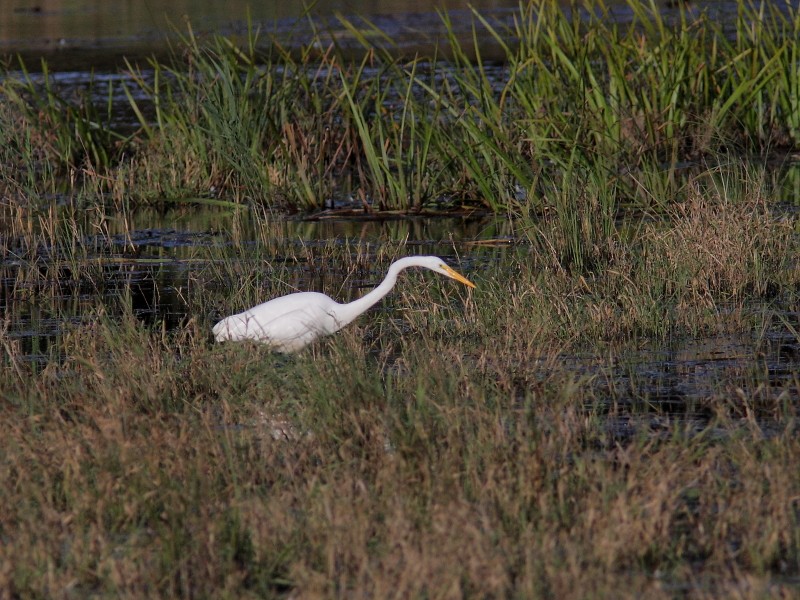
x: 721, y: 244
x: 142, y: 466
x: 721, y: 251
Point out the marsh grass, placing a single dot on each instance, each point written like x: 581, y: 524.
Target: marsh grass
x: 501, y: 442
x: 249, y: 120
x: 436, y: 471
x: 210, y: 119
x: 453, y: 443
x: 721, y: 248
x: 53, y: 132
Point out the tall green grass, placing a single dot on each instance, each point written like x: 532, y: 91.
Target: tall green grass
x: 212, y: 121
x: 253, y: 121
x: 72, y: 132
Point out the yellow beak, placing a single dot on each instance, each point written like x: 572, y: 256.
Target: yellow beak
x: 458, y: 276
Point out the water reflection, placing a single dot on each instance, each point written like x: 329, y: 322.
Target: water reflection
x: 89, y: 26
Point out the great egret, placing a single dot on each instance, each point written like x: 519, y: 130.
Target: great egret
x: 291, y: 322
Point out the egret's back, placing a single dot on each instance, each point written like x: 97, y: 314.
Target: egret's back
x: 287, y: 324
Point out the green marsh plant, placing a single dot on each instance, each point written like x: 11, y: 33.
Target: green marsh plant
x: 252, y: 121
x: 72, y: 133
x: 211, y: 119
x: 398, y: 159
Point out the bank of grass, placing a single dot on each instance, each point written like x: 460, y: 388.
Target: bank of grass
x: 449, y: 445
x: 249, y: 120
x: 159, y: 465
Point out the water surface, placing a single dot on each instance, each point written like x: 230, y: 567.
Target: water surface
x: 148, y: 260
x: 86, y: 34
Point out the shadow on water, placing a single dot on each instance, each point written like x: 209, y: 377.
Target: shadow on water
x: 92, y: 36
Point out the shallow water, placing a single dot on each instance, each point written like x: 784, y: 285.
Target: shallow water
x: 81, y: 35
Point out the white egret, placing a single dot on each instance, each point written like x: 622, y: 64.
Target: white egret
x: 291, y: 322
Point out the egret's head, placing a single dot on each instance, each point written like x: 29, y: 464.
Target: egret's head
x: 434, y: 263
x: 444, y: 269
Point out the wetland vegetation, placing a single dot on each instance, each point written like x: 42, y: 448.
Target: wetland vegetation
x: 611, y: 413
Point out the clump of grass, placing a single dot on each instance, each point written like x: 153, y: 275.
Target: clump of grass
x: 70, y: 133
x: 212, y: 118
x: 26, y: 170
x: 721, y: 250
x: 397, y: 151
x: 722, y: 243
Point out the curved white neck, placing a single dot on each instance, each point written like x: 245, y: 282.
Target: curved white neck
x: 345, y: 313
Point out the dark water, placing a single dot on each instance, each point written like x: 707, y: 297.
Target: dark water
x: 80, y: 35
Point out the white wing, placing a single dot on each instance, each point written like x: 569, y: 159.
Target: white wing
x: 287, y: 323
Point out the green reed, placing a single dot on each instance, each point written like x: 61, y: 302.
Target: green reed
x: 211, y: 120
x: 250, y: 120
x: 399, y: 169
x: 72, y: 133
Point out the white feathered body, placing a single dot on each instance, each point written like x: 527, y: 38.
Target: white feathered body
x: 287, y: 323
